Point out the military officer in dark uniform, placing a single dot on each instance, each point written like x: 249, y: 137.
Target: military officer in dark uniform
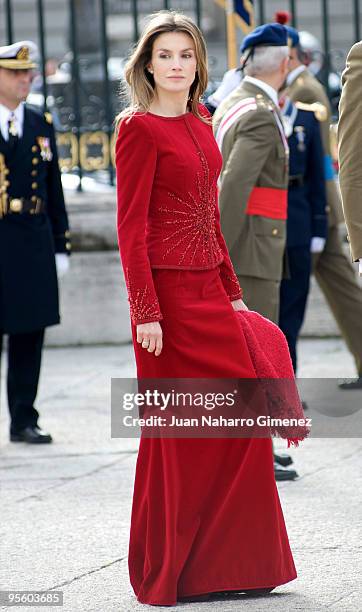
x: 307, y: 204
x: 33, y: 233
x: 307, y: 219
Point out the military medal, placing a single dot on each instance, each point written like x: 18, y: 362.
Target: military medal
x: 12, y: 127
x: 300, y: 134
x: 45, y: 150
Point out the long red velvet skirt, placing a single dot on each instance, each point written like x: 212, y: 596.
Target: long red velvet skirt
x: 206, y: 514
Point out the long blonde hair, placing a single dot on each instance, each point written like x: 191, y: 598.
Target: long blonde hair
x: 141, y: 83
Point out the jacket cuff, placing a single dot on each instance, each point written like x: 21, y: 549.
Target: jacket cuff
x: 62, y: 243
x: 231, y: 286
x: 320, y: 226
x: 137, y: 321
x: 143, y: 302
x: 239, y: 296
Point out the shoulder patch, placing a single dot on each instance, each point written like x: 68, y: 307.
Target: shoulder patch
x: 235, y: 112
x: 260, y: 99
x: 262, y: 102
x: 48, y: 118
x: 319, y: 110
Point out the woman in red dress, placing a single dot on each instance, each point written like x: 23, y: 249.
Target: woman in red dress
x: 206, y: 515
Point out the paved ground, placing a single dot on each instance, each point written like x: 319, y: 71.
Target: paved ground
x: 65, y: 508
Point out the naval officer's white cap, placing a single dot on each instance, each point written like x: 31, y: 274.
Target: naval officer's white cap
x: 19, y: 56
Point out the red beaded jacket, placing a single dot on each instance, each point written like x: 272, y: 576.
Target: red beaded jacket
x: 167, y: 215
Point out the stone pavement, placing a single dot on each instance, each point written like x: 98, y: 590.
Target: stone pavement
x: 65, y: 508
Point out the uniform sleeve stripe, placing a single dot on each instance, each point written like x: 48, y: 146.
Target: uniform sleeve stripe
x: 232, y: 116
x: 281, y: 131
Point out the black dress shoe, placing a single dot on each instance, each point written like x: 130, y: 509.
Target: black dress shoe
x: 283, y: 459
x: 195, y: 598
x: 32, y: 435
x: 249, y: 592
x: 258, y: 592
x: 351, y: 384
x: 281, y: 473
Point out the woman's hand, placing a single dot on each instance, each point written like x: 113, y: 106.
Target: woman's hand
x: 239, y: 305
x: 149, y: 335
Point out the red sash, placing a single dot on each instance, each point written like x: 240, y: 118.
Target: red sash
x: 268, y: 202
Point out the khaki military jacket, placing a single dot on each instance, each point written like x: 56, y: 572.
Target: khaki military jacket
x: 306, y: 88
x: 254, y: 155
x: 350, y: 148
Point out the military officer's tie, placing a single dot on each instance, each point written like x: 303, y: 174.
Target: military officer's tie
x: 13, y: 132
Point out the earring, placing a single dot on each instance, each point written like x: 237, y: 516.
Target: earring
x: 150, y: 70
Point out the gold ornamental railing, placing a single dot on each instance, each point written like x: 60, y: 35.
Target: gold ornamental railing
x: 93, y: 151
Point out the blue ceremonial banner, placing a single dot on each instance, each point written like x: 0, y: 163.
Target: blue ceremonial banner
x: 244, y: 14
x: 239, y: 13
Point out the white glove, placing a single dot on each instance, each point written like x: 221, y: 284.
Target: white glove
x: 317, y: 244
x: 62, y: 263
x: 360, y: 267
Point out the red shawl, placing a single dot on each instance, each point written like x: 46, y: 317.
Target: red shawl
x: 271, y: 359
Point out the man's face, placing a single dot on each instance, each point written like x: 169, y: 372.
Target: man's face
x: 15, y: 84
x: 283, y: 72
x: 293, y: 59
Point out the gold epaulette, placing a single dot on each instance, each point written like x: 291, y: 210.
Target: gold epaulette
x: 48, y: 118
x: 260, y: 101
x: 317, y: 108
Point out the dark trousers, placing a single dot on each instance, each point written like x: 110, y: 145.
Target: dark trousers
x: 24, y: 359
x: 293, y: 297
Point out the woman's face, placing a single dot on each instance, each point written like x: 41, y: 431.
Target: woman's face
x: 173, y: 63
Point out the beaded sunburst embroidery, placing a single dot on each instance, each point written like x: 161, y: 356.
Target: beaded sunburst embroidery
x: 143, y: 306
x: 193, y: 225
x: 234, y: 290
